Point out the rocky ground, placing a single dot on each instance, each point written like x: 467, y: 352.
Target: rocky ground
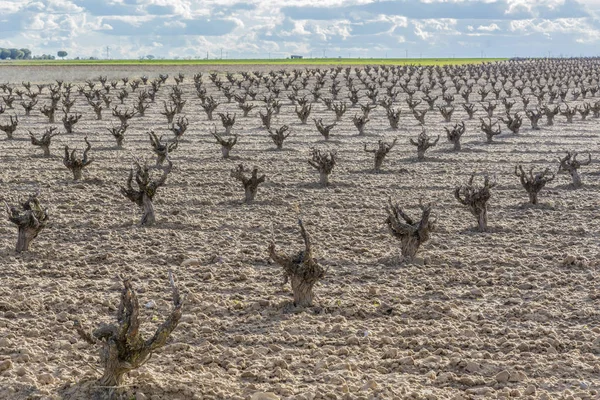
x: 508, y: 313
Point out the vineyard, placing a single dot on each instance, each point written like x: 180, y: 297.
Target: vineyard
x: 287, y: 232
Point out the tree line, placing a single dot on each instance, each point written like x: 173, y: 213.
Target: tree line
x: 25, y: 54
x: 15, y: 54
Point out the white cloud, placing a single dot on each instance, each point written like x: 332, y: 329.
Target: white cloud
x: 175, y: 24
x: 36, y: 23
x: 339, y: 28
x: 62, y: 7
x: 9, y: 7
x: 431, y: 30
x: 533, y: 6
x: 299, y: 28
x: 581, y: 29
x: 424, y: 35
x: 488, y: 28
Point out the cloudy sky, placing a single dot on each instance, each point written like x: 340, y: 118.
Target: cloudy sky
x: 332, y: 28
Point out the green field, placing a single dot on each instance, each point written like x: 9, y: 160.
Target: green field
x: 304, y: 61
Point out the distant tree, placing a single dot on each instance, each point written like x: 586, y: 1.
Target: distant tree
x: 62, y: 54
x: 26, y: 54
x: 14, y: 53
x: 19, y: 55
x: 4, y: 54
x: 150, y: 57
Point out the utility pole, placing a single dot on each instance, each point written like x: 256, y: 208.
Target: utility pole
x: 107, y: 52
x: 406, y: 53
x: 221, y: 53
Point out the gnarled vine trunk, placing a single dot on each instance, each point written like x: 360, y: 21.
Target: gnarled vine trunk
x: 301, y: 269
x: 148, y: 217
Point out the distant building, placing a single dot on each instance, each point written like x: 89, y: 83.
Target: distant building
x: 293, y: 56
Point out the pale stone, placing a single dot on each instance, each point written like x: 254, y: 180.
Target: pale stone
x: 502, y: 377
x: 530, y: 390
x: 5, y: 365
x: 264, y: 396
x: 45, y: 379
x: 191, y: 262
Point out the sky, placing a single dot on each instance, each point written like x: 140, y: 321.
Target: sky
x: 311, y: 28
